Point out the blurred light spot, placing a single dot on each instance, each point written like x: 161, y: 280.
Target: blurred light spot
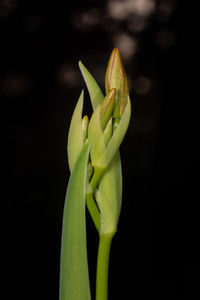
x: 165, y: 38
x: 165, y: 10
x: 121, y: 10
x: 15, y: 84
x: 7, y: 7
x: 137, y: 24
x: 68, y: 76
x: 126, y: 44
x: 87, y: 19
x: 141, y: 85
x: 32, y: 23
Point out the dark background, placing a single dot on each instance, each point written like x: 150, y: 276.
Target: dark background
x: 156, y: 250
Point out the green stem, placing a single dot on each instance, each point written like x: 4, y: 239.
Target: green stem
x: 96, y: 177
x: 94, y: 212
x: 103, y: 266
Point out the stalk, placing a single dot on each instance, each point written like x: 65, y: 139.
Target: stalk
x: 103, y: 266
x: 94, y: 212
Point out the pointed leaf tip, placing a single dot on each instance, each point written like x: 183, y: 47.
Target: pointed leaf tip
x: 96, y: 95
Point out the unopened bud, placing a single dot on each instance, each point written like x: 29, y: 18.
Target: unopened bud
x: 85, y: 122
x: 116, y: 78
x: 107, y: 106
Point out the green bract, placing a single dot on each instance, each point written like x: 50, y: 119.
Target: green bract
x: 77, y: 134
x: 96, y: 179
x: 94, y: 90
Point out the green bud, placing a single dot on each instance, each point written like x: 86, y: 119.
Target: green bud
x: 85, y: 122
x: 116, y: 78
x: 103, y: 149
x: 98, y: 123
x: 108, y: 131
x: 116, y: 138
x: 106, y: 108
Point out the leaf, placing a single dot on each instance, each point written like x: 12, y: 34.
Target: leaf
x: 75, y: 136
x: 94, y: 90
x: 74, y: 278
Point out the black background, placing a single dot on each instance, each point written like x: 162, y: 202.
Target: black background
x: 156, y: 250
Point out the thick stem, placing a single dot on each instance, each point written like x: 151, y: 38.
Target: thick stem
x: 103, y: 266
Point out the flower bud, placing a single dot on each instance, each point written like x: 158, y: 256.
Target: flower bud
x: 106, y: 108
x: 85, y: 122
x: 116, y: 78
x: 98, y: 122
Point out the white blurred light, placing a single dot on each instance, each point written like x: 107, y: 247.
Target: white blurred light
x: 126, y: 44
x: 123, y: 9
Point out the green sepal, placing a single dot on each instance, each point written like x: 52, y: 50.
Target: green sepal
x: 74, y: 278
x: 96, y: 95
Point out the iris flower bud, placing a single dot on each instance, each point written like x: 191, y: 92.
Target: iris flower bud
x: 116, y: 78
x: 98, y: 122
x: 106, y: 108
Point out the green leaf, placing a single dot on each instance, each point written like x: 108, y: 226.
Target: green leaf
x: 76, y: 134
x: 94, y: 90
x: 74, y: 278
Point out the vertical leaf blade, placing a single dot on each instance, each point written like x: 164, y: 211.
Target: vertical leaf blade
x: 74, y: 277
